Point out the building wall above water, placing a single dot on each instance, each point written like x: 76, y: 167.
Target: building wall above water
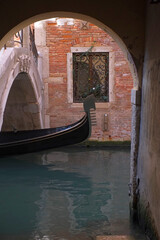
x: 57, y: 40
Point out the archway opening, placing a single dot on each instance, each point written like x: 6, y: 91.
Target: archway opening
x: 52, y: 89
x: 49, y: 15
x: 21, y: 111
x: 56, y: 70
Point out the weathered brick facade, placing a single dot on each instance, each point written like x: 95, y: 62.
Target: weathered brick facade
x: 61, y: 36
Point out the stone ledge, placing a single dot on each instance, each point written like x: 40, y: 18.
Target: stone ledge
x: 116, y: 237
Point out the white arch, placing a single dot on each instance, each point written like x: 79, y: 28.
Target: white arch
x: 11, y: 68
x: 81, y: 17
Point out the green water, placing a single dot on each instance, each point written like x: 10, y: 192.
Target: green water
x: 71, y: 193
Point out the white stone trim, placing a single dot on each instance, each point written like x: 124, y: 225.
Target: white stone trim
x: 40, y: 33
x: 70, y: 70
x: 69, y: 78
x: 135, y: 96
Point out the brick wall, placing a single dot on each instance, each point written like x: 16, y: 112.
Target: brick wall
x: 61, y: 35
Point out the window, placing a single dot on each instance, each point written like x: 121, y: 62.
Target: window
x: 91, y: 75
x: 108, y: 73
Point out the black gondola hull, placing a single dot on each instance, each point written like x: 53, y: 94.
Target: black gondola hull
x: 37, y: 140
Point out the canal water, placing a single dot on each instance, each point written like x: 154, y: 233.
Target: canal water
x: 70, y: 193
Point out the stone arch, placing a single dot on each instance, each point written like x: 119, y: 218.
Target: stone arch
x: 114, y: 35
x: 132, y: 35
x: 19, y: 62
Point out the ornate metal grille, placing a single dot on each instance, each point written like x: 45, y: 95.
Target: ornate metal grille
x: 91, y: 75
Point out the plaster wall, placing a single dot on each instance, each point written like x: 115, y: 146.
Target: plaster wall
x: 148, y: 183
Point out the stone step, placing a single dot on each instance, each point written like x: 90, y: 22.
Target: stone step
x: 117, y: 237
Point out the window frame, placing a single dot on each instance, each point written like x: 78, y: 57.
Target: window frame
x: 70, y: 73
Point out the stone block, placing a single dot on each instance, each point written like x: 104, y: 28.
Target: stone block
x: 135, y: 97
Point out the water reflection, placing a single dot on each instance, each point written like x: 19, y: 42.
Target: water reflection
x: 64, y: 194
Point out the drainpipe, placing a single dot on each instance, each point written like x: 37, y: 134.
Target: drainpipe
x: 134, y: 182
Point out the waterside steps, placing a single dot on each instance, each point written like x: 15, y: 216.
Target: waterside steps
x: 90, y: 107
x: 120, y: 237
x: 93, y: 117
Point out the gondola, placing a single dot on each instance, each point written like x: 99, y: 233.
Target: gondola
x: 27, y: 141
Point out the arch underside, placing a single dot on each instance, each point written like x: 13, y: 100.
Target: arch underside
x: 134, y: 63
x: 21, y: 111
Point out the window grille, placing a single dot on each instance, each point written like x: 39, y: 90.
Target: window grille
x: 91, y: 75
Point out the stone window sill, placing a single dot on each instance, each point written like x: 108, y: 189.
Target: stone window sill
x: 98, y: 105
